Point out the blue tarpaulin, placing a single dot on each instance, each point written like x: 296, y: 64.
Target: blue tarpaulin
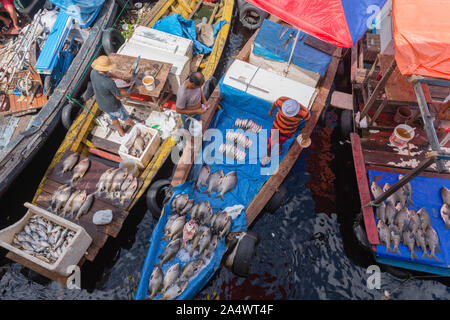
x: 177, y: 25
x: 426, y: 194
x: 268, y: 45
x: 235, y: 104
x: 84, y: 11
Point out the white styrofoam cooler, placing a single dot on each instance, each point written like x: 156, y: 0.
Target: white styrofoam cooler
x: 267, y: 85
x: 70, y: 256
x: 149, y: 150
x: 160, y: 46
x: 162, y: 40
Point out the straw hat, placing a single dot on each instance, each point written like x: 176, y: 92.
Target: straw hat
x: 103, y: 63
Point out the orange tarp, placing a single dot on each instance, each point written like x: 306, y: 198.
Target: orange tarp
x: 422, y: 37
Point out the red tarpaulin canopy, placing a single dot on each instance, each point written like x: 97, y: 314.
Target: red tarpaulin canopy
x: 339, y: 22
x: 422, y: 37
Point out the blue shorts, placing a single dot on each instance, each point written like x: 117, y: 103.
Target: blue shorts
x: 121, y: 114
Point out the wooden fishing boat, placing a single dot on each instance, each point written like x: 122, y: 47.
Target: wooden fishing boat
x: 92, y: 138
x: 253, y: 197
x: 213, y: 11
x: 386, y: 99
x: 271, y: 186
x: 25, y: 135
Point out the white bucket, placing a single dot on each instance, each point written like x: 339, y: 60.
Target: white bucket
x: 149, y: 82
x: 402, y: 135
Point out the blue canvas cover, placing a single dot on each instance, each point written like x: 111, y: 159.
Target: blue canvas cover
x: 84, y: 11
x: 177, y: 25
x: 426, y: 194
x: 234, y: 104
x: 268, y: 45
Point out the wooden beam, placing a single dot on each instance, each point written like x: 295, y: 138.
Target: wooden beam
x: 379, y: 110
x: 378, y: 88
x: 364, y: 190
x: 195, y: 9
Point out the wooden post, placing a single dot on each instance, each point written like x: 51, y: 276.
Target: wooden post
x: 428, y: 124
x: 400, y: 183
x: 377, y: 113
x: 370, y: 74
x: 195, y: 9
x: 378, y: 88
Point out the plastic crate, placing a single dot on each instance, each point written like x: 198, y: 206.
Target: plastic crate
x: 71, y: 255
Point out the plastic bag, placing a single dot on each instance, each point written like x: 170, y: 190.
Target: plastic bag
x: 80, y: 10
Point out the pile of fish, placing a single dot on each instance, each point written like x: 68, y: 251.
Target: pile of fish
x: 79, y: 168
x: 445, y: 209
x: 140, y: 143
x: 69, y: 202
x: 247, y: 124
x: 397, y: 223
x: 216, y: 181
x: 117, y: 183
x: 239, y: 138
x: 197, y: 235
x: 232, y: 152
x: 43, y: 239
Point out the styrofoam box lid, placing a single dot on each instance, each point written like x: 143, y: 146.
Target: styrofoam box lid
x: 134, y: 50
x: 276, y: 85
x: 162, y: 40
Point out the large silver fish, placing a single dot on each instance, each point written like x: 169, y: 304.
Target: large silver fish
x: 396, y: 238
x: 421, y: 241
x: 212, y: 247
x: 85, y: 207
x: 187, y: 207
x: 445, y: 215
x: 381, y: 212
x: 410, y: 242
x: 179, y: 202
x: 155, y: 282
x: 176, y: 228
x: 129, y: 192
x: 80, y: 169
x: 68, y: 204
x: 175, y: 290
x: 424, y: 219
x: 214, y: 181
x: 101, y: 184
x: 204, y: 241
x: 171, y: 276
x: 118, y: 179
x: 69, y: 162
x: 228, y: 184
x: 170, y: 251
x: 445, y: 193
x: 390, y: 213
x: 407, y: 190
x: 61, y: 197
x: 189, y: 231
x: 376, y: 190
x: 432, y: 242
x: 77, y: 202
x: 203, y: 177
x: 191, y: 269
x: 402, y: 219
x: 197, y: 237
x: 384, y: 234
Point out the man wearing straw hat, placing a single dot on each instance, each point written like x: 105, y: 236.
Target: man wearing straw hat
x: 290, y: 116
x: 107, y: 94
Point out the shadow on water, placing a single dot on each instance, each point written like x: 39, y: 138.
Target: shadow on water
x: 307, y: 248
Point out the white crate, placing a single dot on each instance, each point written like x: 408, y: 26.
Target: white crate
x: 149, y: 150
x: 70, y: 256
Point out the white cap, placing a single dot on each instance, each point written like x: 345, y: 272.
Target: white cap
x: 290, y: 108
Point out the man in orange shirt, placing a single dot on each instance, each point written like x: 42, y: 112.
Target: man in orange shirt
x: 289, y: 117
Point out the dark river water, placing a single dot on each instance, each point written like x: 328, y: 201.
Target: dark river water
x: 307, y: 249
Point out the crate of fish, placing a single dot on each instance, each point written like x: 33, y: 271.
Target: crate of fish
x: 140, y: 145
x: 47, y: 240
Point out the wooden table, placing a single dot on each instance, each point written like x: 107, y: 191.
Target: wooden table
x: 159, y: 70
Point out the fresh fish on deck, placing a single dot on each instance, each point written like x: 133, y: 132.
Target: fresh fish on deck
x: 376, y: 190
x: 410, y: 242
x: 203, y: 177
x: 85, y: 207
x: 424, y: 219
x: 175, y: 290
x: 80, y: 169
x: 155, y: 282
x: 191, y: 269
x: 171, y: 276
x: 445, y: 215
x: 175, y: 229
x: 169, y: 252
x: 384, y: 234
x: 445, y: 194
x: 69, y: 162
x: 214, y: 181
x: 396, y: 238
x: 228, y: 184
x: 432, y: 240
